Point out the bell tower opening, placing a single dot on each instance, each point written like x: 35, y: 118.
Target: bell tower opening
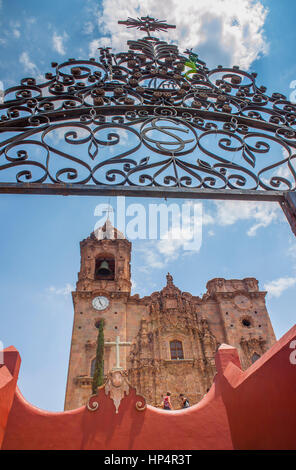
x: 104, y: 268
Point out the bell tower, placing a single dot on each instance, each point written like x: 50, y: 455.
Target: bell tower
x: 105, y: 261
x: 102, y: 292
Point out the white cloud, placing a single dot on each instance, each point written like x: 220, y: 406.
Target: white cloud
x: 15, y: 28
x: 16, y: 33
x: 158, y: 253
x: 88, y: 27
x: 96, y: 43
x: 221, y: 31
x: 207, y: 219
x: 93, y: 47
x: 173, y: 244
x: 278, y: 286
x: 29, y: 66
x: 177, y: 241
x: 292, y: 251
x: 30, y: 20
x: 58, y: 42
x: 58, y: 135
x: 151, y: 257
x: 170, y: 249
x: 230, y: 212
x: 60, y: 291
x: 184, y: 236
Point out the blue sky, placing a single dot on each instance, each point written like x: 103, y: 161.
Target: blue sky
x: 40, y: 235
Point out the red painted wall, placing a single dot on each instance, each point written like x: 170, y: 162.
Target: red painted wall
x: 204, y: 426
x: 8, y: 378
x: 261, y: 402
x: 255, y: 409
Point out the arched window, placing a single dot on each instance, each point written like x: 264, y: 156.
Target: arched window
x: 92, y: 367
x: 105, y: 268
x: 255, y: 357
x: 176, y: 350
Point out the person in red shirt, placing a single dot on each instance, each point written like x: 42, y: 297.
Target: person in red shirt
x: 167, y: 402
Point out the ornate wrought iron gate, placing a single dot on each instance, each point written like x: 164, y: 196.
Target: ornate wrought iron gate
x: 149, y: 122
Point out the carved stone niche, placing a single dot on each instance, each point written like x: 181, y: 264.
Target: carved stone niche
x: 252, y: 345
x: 216, y: 285
x: 170, y: 303
x: 117, y: 387
x: 251, y: 283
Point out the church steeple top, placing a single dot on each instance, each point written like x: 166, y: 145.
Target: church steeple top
x: 107, y: 231
x: 105, y: 261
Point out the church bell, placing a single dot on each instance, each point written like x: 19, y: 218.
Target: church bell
x: 104, y: 269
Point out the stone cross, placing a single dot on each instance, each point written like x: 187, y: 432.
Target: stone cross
x: 117, y: 343
x: 108, y: 210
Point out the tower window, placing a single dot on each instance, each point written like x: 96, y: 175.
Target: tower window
x: 176, y: 350
x: 246, y: 322
x: 105, y: 268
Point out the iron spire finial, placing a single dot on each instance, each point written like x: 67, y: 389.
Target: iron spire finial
x: 146, y: 23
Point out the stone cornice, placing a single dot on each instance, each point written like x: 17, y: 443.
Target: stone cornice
x: 83, y: 381
x: 90, y: 294
x: 230, y: 295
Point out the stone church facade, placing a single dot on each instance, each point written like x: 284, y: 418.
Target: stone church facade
x: 168, y: 340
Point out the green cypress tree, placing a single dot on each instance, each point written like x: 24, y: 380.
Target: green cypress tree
x: 98, y: 378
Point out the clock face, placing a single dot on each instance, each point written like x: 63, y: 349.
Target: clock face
x: 100, y: 302
x: 242, y: 301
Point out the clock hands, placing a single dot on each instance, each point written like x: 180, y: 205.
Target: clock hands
x: 100, y: 302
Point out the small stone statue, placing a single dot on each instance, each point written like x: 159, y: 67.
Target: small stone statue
x: 169, y: 279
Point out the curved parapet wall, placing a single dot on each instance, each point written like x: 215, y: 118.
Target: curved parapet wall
x: 204, y: 426
x: 255, y: 409
x: 8, y: 379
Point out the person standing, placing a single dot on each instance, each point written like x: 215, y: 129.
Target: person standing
x: 167, y: 402
x: 184, y: 400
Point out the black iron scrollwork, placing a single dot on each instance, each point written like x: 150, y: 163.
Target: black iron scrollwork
x: 140, y: 118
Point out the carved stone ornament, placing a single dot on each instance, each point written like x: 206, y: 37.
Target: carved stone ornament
x: 117, y: 386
